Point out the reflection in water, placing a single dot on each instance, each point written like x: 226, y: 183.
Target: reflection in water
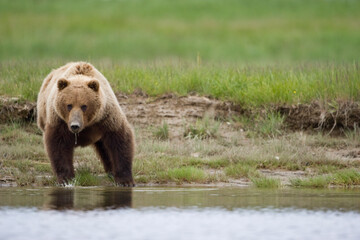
x: 229, y: 198
x: 70, y: 198
x: 117, y: 199
x: 61, y: 198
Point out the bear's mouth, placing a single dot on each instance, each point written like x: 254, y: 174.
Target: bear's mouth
x: 75, y: 128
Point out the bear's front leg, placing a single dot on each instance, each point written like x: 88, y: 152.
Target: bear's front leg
x: 59, y: 144
x: 120, y: 148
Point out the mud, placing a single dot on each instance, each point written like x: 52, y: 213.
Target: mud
x: 13, y: 109
x: 336, y: 115
x: 177, y: 111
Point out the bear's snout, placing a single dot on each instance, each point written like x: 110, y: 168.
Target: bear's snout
x: 75, y: 127
x: 76, y: 121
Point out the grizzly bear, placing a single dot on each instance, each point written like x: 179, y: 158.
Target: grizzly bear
x: 77, y: 107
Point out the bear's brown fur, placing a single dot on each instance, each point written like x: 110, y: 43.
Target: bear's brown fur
x: 77, y: 107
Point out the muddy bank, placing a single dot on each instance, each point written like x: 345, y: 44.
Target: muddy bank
x: 177, y: 110
x: 321, y: 116
x: 14, y: 109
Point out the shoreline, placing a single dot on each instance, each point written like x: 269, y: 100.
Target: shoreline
x: 207, y: 142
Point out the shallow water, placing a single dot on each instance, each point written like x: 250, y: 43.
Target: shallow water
x: 178, y: 213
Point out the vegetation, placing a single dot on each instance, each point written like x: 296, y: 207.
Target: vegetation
x: 84, y: 177
x: 202, y: 129
x: 313, y: 182
x: 241, y: 170
x: 162, y: 132
x: 271, y: 124
x: 249, y: 86
x: 183, y: 174
x: 228, y: 31
x: 232, y: 50
x: 342, y: 178
x: 265, y: 182
x: 191, y: 160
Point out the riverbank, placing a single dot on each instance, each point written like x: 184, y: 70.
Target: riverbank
x: 195, y: 140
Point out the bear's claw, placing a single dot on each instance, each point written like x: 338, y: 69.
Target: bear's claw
x: 124, y: 182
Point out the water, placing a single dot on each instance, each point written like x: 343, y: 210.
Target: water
x: 178, y: 213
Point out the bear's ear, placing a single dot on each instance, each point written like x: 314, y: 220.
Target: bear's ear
x: 62, y: 83
x: 94, y: 85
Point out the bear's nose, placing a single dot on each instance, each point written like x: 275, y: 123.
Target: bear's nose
x: 75, y: 127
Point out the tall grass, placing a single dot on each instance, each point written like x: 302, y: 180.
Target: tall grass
x: 204, y: 128
x: 161, y: 132
x: 265, y: 182
x: 241, y: 170
x: 250, y: 86
x: 84, y: 177
x: 204, y: 46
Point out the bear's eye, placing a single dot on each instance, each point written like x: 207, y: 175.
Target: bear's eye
x: 69, y: 107
x: 83, y: 108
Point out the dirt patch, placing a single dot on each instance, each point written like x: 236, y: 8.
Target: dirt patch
x: 14, y: 109
x: 347, y: 154
x: 179, y: 110
x: 175, y: 111
x: 329, y: 116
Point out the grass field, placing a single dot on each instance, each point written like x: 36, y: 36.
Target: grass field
x: 251, y: 86
x: 253, y: 52
x: 221, y: 31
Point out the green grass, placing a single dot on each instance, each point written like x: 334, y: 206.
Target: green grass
x: 266, y: 182
x: 347, y: 177
x: 254, y: 53
x: 241, y: 170
x: 183, y: 174
x: 269, y: 124
x: 231, y: 30
x: 162, y: 132
x: 341, y: 178
x: 84, y: 177
x: 313, y: 182
x: 353, y: 135
x: 254, y: 86
x: 204, y: 128
x: 217, y: 160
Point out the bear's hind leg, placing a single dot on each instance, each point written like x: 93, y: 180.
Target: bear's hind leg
x: 60, y: 147
x: 104, y: 156
x: 120, y: 146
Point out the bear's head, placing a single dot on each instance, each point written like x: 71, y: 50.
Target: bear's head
x: 78, y: 102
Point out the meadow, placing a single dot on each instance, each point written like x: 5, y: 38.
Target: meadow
x: 223, y: 32
x: 250, y: 86
x: 256, y: 54
x: 251, y: 52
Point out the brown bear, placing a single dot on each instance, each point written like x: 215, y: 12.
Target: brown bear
x: 77, y: 107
